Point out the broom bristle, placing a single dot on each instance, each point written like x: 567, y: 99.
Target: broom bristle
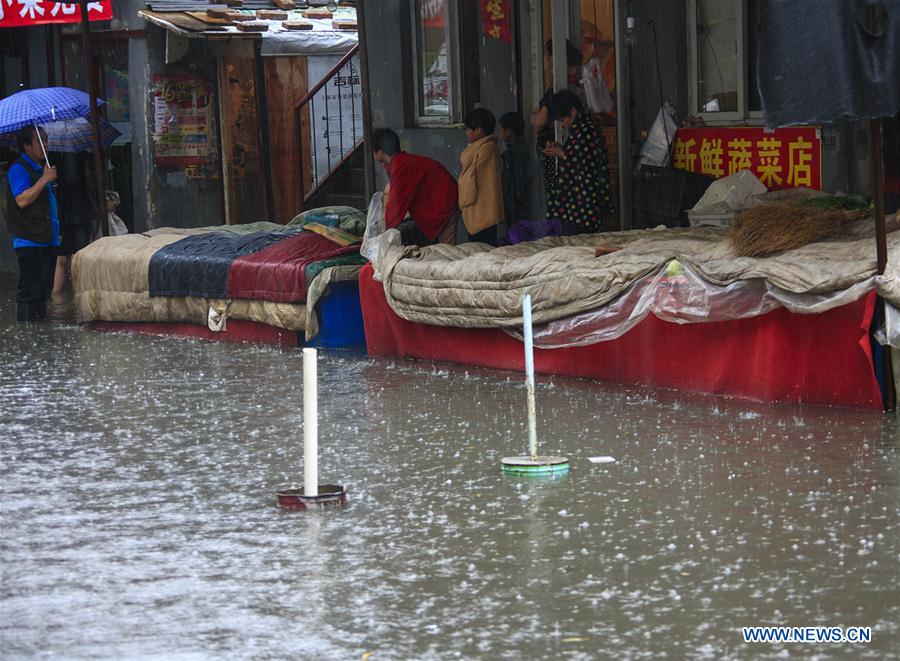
x: 776, y: 226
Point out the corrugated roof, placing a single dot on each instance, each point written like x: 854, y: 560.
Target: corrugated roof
x: 202, y: 5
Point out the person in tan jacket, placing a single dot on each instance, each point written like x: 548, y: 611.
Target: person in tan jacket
x: 480, y: 182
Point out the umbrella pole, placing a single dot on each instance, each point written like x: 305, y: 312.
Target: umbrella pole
x: 37, y: 132
x: 881, y: 251
x: 95, y: 116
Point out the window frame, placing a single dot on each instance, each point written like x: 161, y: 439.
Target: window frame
x: 454, y: 66
x: 743, y: 115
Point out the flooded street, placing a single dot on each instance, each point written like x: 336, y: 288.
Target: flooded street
x: 139, y: 518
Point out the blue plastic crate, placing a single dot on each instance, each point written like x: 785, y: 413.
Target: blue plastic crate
x: 340, y: 319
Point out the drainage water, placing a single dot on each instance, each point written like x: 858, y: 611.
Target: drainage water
x: 137, y: 488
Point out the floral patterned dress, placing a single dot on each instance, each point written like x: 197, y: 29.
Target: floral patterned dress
x: 583, y: 188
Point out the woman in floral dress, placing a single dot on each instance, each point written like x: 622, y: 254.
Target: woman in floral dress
x: 583, y: 197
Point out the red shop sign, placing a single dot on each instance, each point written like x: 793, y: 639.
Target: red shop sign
x: 22, y: 13
x: 495, y: 19
x: 783, y: 158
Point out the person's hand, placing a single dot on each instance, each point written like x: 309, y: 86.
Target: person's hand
x: 49, y: 173
x: 554, y: 149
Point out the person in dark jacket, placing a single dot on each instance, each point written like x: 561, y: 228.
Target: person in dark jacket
x: 517, y: 169
x: 583, y: 184
x: 33, y: 223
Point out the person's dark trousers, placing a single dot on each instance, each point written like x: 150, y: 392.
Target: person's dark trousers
x: 411, y: 235
x: 36, y: 269
x: 488, y: 236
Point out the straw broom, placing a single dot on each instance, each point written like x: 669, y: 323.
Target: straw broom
x: 777, y: 226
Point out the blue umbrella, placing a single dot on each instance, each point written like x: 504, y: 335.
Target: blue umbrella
x: 71, y: 135
x: 42, y: 105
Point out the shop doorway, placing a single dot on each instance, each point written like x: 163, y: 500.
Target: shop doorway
x: 590, y: 29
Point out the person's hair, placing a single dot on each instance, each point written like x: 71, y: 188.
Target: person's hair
x: 513, y: 121
x: 481, y: 118
x: 573, y: 55
x: 24, y: 136
x: 386, y: 140
x: 564, y: 101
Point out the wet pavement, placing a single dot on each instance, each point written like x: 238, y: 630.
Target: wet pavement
x: 138, y: 511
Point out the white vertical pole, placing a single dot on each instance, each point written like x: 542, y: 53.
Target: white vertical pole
x: 37, y: 132
x: 310, y: 424
x: 529, y: 375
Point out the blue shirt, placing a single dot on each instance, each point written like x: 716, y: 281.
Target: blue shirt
x: 20, y: 181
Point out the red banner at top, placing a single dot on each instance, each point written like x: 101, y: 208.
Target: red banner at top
x: 22, y: 13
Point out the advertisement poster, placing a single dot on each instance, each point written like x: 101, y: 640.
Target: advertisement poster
x: 783, y: 158
x: 182, y: 107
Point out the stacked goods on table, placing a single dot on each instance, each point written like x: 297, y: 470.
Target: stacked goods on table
x: 260, y: 271
x: 724, y: 198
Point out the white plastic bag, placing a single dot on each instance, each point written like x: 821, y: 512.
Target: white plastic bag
x: 376, y: 239
x: 116, y: 225
x: 595, y: 90
x: 662, y: 134
x: 374, y: 227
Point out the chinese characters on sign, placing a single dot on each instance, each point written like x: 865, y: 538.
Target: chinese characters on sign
x: 336, y: 114
x: 495, y: 19
x: 784, y: 158
x: 20, y: 13
x: 181, y: 120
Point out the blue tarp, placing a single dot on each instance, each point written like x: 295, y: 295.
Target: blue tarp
x: 198, y: 265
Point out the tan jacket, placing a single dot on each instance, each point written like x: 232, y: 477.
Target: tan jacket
x: 480, y: 186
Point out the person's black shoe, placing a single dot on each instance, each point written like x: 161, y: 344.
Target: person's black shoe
x: 39, y: 312
x: 23, y: 313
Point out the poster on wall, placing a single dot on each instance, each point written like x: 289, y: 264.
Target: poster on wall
x: 22, y: 13
x: 335, y: 114
x: 784, y: 158
x: 181, y: 120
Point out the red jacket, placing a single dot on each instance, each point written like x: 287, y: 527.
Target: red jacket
x: 424, y: 188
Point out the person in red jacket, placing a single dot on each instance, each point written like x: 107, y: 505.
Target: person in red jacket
x: 419, y: 186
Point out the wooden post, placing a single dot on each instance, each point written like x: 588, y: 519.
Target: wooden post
x: 91, y: 72
x: 881, y: 253
x: 366, y: 99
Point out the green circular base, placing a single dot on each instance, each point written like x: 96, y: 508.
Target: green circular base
x: 537, y: 466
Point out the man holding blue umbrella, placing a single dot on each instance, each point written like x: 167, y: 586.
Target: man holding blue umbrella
x: 34, y: 224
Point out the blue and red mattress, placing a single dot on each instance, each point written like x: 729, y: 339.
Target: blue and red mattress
x: 266, y: 266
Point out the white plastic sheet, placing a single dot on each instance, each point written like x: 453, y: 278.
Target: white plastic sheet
x: 659, y: 141
x: 376, y: 239
x: 891, y: 334
x: 676, y: 293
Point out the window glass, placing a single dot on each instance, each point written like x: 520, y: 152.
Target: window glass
x: 718, y: 59
x: 432, y: 71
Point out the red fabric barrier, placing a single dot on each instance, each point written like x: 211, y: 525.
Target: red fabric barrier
x: 777, y: 357
x: 238, y: 331
x: 278, y: 273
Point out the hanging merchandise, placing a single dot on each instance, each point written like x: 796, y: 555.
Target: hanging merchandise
x: 595, y: 90
x: 659, y: 142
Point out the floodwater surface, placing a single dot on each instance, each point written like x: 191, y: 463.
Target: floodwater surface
x: 139, y: 519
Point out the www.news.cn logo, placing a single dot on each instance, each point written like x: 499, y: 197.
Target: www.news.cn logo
x: 807, y: 634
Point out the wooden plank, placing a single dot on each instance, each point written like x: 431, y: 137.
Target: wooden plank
x: 286, y: 84
x: 245, y: 199
x: 178, y: 19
